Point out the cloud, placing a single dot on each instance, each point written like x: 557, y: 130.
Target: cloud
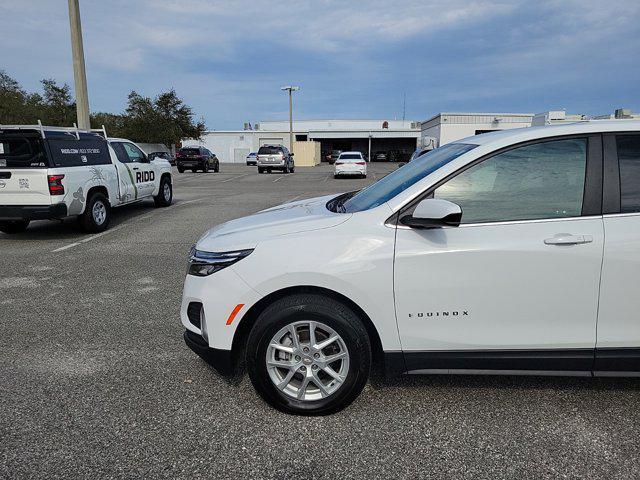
x: 353, y: 59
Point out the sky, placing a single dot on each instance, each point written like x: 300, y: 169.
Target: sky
x: 351, y: 59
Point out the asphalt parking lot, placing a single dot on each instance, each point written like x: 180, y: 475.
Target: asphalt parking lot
x: 95, y: 380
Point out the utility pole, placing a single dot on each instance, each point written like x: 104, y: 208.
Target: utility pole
x: 290, y: 89
x: 79, y: 73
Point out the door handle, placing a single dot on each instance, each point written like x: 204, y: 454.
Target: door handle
x: 568, y: 239
x: 136, y: 168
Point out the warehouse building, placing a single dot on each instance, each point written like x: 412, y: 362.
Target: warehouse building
x: 448, y: 127
x: 366, y: 136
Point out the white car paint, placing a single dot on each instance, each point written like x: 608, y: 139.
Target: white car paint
x: 350, y: 163
x: 520, y: 288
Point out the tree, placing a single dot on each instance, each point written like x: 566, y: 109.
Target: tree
x: 165, y: 119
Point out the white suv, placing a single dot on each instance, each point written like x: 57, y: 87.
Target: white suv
x: 49, y: 173
x: 509, y: 252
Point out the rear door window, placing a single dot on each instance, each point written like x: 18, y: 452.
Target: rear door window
x: 22, y: 151
x: 78, y: 153
x: 629, y: 160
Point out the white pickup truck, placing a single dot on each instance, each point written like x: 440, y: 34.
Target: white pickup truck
x: 54, y: 172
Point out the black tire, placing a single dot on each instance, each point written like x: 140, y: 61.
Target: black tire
x: 285, y: 170
x: 87, y: 220
x: 180, y: 170
x: 161, y: 199
x: 13, y: 226
x: 205, y: 167
x: 268, y: 170
x: 293, y: 168
x: 306, y: 307
x: 260, y: 170
x: 217, y: 167
x: 336, y: 176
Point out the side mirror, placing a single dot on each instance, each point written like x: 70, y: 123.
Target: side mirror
x: 434, y: 213
x: 291, y: 153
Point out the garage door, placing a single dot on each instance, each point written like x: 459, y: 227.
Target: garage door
x: 271, y: 141
x: 240, y: 155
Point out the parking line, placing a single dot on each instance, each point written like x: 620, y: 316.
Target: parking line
x: 279, y: 178
x: 233, y: 178
x: 122, y: 225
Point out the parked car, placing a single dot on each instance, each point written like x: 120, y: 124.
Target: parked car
x: 349, y: 164
x: 334, y: 156
x: 252, y: 158
x: 164, y: 155
x: 275, y: 157
x: 509, y: 252
x: 196, y: 158
x: 50, y: 173
x: 381, y: 156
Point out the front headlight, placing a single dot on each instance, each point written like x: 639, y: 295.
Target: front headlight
x: 202, y: 264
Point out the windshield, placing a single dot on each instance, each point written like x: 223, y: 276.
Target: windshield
x: 402, y: 178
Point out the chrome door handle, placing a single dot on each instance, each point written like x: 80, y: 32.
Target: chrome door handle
x: 568, y: 239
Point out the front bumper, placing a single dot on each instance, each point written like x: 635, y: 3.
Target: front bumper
x: 33, y: 212
x: 219, y: 359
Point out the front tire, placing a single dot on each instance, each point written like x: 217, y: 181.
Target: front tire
x: 180, y: 170
x: 260, y: 170
x: 216, y: 169
x: 308, y: 355
x: 165, y: 194
x: 205, y: 167
x: 13, y: 226
x: 97, y: 213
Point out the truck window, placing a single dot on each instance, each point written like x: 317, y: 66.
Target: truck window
x: 22, y: 151
x: 134, y: 153
x: 79, y: 153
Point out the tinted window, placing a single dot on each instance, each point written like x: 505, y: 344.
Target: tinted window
x: 134, y: 153
x: 629, y: 158
x: 350, y: 156
x: 120, y: 152
x: 190, y: 151
x: 22, y: 151
x: 269, y: 150
x: 77, y: 153
x: 402, y: 178
x: 544, y: 180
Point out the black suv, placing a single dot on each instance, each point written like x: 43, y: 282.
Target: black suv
x: 196, y: 158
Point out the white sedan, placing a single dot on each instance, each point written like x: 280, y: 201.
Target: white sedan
x: 351, y: 163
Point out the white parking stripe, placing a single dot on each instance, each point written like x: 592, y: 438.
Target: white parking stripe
x: 122, y: 225
x: 278, y: 179
x: 233, y: 178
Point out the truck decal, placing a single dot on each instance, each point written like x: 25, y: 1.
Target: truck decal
x: 77, y: 203
x: 145, y: 177
x: 135, y: 187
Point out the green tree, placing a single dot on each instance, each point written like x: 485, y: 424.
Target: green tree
x: 58, y: 107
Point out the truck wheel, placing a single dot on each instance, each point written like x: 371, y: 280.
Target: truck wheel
x: 14, y: 226
x: 165, y: 194
x: 308, y: 355
x: 180, y: 169
x: 97, y: 213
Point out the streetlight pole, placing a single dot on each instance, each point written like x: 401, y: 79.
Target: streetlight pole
x: 290, y: 89
x: 79, y: 72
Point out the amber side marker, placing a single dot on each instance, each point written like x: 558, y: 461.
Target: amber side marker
x: 234, y: 313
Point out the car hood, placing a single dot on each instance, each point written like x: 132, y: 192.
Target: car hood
x: 294, y: 217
